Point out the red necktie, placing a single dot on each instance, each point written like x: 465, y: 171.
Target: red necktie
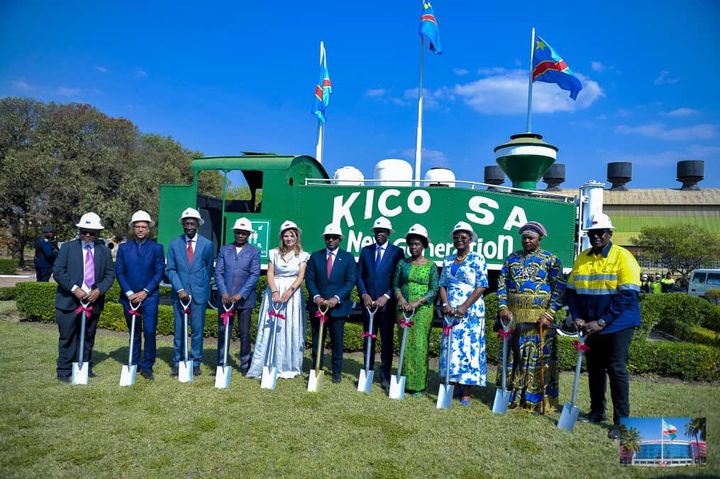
x: 190, y: 251
x: 329, y: 264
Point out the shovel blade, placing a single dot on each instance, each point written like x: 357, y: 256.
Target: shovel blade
x: 445, y: 396
x: 315, y: 380
x: 222, y: 377
x: 269, y: 378
x: 568, y: 417
x: 185, y: 371
x: 365, y: 381
x: 397, y: 387
x: 80, y: 373
x: 127, y: 375
x: 502, y: 399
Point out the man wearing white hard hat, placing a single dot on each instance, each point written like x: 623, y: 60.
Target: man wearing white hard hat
x: 189, y: 268
x: 603, y: 297
x: 84, y: 272
x: 237, y: 271
x: 140, y: 266
x: 376, y: 267
x: 330, y: 277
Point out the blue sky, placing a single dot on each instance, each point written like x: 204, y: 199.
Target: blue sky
x: 224, y: 77
x: 650, y: 427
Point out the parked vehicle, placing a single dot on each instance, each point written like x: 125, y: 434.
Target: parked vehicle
x: 702, y: 281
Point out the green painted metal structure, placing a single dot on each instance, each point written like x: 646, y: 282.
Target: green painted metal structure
x: 298, y: 188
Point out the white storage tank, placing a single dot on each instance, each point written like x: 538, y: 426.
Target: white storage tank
x: 393, y: 172
x: 348, y: 175
x: 440, y: 177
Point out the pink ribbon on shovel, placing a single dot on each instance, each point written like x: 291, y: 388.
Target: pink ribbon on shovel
x: 133, y: 312
x: 369, y: 335
x: 406, y: 324
x: 320, y: 315
x: 504, y: 335
x: 582, y: 347
x: 83, y: 309
x: 447, y: 329
x: 226, y: 316
x: 273, y: 314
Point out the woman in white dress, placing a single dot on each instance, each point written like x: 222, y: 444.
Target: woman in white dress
x: 285, y: 274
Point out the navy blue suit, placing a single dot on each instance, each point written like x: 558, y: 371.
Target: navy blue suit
x: 141, y: 266
x: 46, y: 252
x: 377, y: 281
x: 194, y: 279
x: 340, y: 284
x: 69, y: 271
x: 238, y: 273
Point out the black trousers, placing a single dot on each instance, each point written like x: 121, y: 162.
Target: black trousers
x: 43, y: 274
x: 384, y: 322
x: 69, y: 342
x: 608, y: 357
x: 243, y: 316
x: 336, y: 328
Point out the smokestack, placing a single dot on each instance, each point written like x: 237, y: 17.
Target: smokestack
x: 554, y: 177
x: 689, y: 173
x: 494, y: 176
x: 619, y: 173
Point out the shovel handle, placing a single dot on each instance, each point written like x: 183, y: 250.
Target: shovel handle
x: 405, y: 315
x: 185, y: 306
x: 232, y: 305
x: 372, y: 311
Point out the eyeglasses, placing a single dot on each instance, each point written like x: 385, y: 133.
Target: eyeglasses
x: 332, y: 237
x: 597, y: 232
x: 88, y: 233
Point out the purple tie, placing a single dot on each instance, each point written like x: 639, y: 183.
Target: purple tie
x: 89, y: 268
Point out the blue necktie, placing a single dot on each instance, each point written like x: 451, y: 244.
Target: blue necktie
x: 378, y: 257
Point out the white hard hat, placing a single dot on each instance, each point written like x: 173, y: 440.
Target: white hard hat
x: 289, y: 225
x: 601, y: 221
x: 243, y: 224
x: 383, y: 223
x: 333, y: 229
x: 418, y: 230
x: 141, y: 215
x: 463, y: 226
x: 90, y: 221
x: 191, y: 213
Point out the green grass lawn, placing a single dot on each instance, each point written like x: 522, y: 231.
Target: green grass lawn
x: 167, y: 429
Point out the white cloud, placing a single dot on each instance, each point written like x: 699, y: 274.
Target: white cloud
x: 101, y: 69
x: 506, y: 93
x: 68, y: 91
x: 460, y: 71
x: 682, y: 112
x: 667, y: 157
x: 598, y: 67
x: 22, y: 86
x: 139, y: 73
x: 430, y: 157
x: 659, y: 131
x: 491, y: 71
x: 664, y: 78
x: 431, y: 99
x: 375, y: 92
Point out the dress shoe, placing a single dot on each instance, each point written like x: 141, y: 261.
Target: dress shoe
x: 592, y: 418
x: 174, y: 372
x: 197, y: 371
x: 615, y: 433
x: 91, y: 374
x: 385, y: 384
x: 336, y: 378
x: 147, y: 374
x: 64, y: 379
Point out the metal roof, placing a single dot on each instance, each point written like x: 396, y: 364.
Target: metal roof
x: 659, y: 196
x: 263, y: 161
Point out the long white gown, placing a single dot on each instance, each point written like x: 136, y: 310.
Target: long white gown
x: 290, y: 337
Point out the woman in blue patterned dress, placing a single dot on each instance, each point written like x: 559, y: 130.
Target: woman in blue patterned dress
x: 462, y: 282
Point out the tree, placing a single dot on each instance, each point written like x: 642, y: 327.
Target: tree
x: 680, y: 248
x: 697, y: 428
x: 630, y: 439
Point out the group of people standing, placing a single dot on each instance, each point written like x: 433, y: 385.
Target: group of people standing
x: 601, y: 293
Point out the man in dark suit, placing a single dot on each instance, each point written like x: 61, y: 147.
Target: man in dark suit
x: 189, y: 268
x: 46, y: 251
x: 84, y: 272
x: 237, y: 271
x: 376, y: 268
x: 330, y: 277
x: 140, y: 267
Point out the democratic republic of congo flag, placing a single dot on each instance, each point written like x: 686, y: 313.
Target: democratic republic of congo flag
x: 668, y: 429
x: 549, y: 67
x: 429, y: 28
x: 322, y: 89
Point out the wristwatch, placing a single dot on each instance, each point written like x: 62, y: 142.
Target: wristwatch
x: 601, y: 323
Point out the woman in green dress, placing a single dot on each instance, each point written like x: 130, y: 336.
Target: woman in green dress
x: 415, y: 286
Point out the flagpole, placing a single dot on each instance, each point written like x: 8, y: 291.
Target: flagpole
x: 530, y: 80
x: 662, y: 440
x: 319, y: 147
x: 418, y: 141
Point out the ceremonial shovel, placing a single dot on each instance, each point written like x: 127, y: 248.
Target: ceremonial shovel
x: 502, y: 397
x: 570, y: 411
x: 445, y: 394
x: 80, y: 368
x: 366, y: 375
x: 316, y: 374
x: 397, y: 382
x: 185, y: 368
x: 127, y: 375
x: 222, y: 373
x: 270, y: 371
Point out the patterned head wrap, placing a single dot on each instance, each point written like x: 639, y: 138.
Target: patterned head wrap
x: 535, y: 227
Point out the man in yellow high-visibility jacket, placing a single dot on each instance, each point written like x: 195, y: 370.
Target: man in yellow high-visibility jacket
x: 603, y: 297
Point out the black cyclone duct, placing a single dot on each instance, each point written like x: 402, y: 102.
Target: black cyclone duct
x: 619, y: 173
x: 554, y: 176
x: 689, y: 173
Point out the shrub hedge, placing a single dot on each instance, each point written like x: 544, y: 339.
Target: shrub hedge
x: 7, y: 293
x: 8, y: 266
x: 680, y: 314
x: 678, y: 359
